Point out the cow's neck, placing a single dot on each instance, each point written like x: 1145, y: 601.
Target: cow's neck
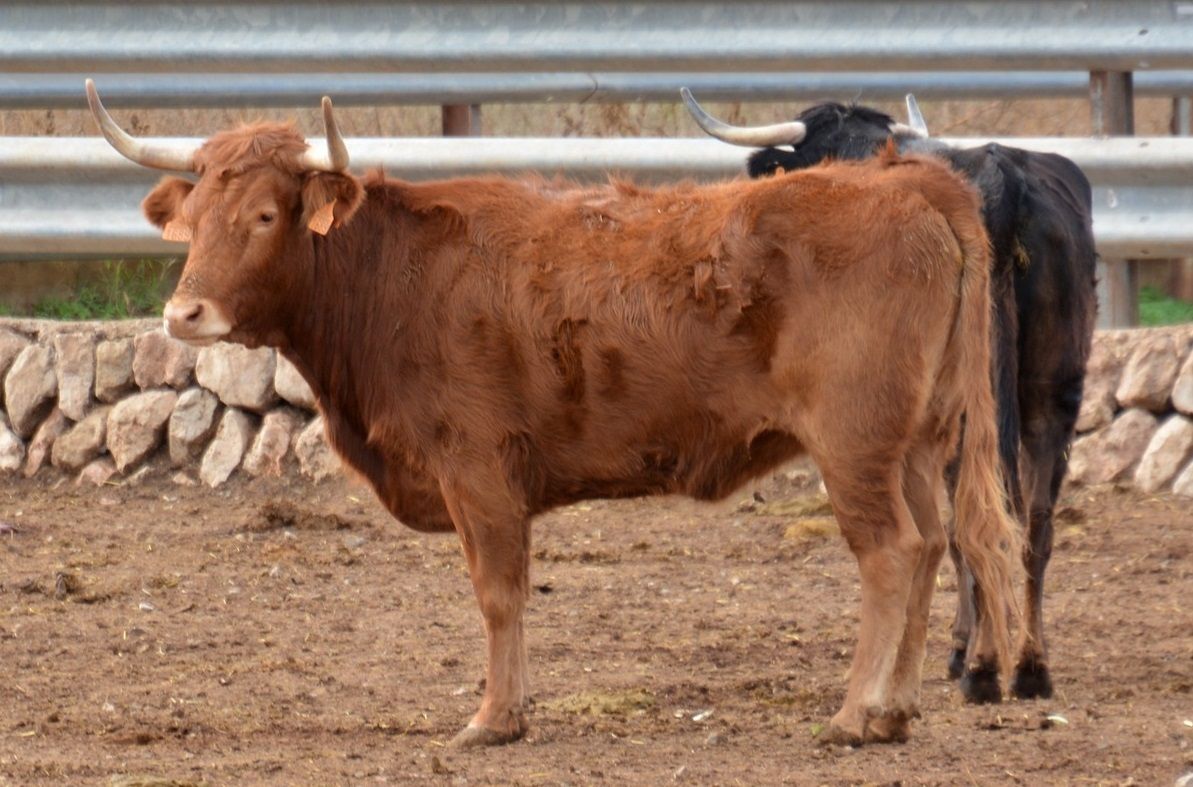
x: 343, y: 336
x: 340, y: 306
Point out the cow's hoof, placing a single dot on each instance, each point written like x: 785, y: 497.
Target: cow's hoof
x: 1031, y: 680
x: 475, y: 737
x: 957, y: 663
x: 889, y: 728
x: 836, y: 735
x: 980, y: 685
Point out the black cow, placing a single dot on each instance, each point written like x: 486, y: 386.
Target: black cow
x: 1037, y: 208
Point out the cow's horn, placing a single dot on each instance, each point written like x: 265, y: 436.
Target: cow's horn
x: 156, y: 156
x: 790, y: 133
x: 915, y: 125
x: 335, y: 159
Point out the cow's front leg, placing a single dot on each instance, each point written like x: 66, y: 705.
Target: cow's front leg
x: 495, y: 533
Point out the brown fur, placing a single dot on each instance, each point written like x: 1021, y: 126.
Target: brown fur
x: 486, y: 349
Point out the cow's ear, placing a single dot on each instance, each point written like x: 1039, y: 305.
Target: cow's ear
x: 163, y: 206
x: 329, y: 199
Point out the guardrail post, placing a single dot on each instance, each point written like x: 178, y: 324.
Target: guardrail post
x: 1182, y: 126
x: 1182, y: 116
x: 1112, y: 112
x: 461, y: 120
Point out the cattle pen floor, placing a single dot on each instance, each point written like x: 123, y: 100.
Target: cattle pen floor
x: 267, y: 633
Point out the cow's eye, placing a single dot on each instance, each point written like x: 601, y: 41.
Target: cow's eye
x: 267, y: 217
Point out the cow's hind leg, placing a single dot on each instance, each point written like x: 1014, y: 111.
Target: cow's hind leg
x: 972, y: 657
x: 980, y: 679
x: 495, y: 534
x: 921, y: 485
x: 1045, y: 448
x: 963, y: 618
x: 868, y: 502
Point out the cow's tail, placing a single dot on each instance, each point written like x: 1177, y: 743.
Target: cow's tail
x: 986, y: 535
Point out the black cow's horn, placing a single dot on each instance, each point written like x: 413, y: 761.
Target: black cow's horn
x: 156, y: 156
x: 915, y: 125
x: 335, y: 159
x: 790, y: 133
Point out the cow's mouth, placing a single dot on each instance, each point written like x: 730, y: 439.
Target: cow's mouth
x: 196, y: 322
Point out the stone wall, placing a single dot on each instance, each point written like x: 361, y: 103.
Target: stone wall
x: 1136, y: 421
x: 104, y: 400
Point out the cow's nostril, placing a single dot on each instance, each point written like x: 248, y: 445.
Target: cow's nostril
x: 196, y: 320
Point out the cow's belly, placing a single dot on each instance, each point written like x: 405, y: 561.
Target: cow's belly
x: 705, y: 472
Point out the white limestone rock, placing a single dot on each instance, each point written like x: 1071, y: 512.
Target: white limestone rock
x: 30, y: 388
x: 1166, y: 453
x: 271, y: 447
x: 113, y: 369
x: 82, y: 442
x: 43, y: 441
x: 11, y: 345
x: 1109, y: 454
x: 1102, y: 374
x: 240, y: 377
x: 192, y: 424
x: 97, y: 472
x: 1148, y: 377
x: 1183, y: 485
x: 223, y: 456
x: 1182, y: 389
x: 160, y: 360
x: 291, y: 386
x: 75, y: 353
x: 316, y: 460
x: 136, y: 425
x: 12, y: 450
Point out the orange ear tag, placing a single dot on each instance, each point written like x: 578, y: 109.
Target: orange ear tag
x: 321, y: 221
x: 177, y: 231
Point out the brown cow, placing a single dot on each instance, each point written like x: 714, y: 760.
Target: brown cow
x: 486, y: 349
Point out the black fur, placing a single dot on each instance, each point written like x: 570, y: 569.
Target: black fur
x: 1031, y: 680
x: 980, y: 685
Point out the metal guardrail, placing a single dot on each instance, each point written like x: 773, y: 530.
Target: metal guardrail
x: 62, y: 91
x: 584, y: 51
x: 660, y: 35
x: 70, y: 197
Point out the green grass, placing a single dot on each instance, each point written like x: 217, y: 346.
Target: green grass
x: 124, y: 288
x: 1156, y: 308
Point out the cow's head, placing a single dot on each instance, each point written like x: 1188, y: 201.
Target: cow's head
x: 261, y: 193
x: 825, y: 131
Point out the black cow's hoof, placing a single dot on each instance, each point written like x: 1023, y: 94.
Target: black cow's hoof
x: 1031, y: 680
x: 980, y: 685
x: 957, y: 664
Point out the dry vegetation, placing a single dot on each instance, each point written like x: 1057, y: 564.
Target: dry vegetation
x: 1042, y: 117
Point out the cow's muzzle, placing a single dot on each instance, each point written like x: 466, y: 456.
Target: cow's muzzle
x: 195, y: 321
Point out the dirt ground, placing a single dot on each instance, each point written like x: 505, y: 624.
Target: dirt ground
x: 267, y: 633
